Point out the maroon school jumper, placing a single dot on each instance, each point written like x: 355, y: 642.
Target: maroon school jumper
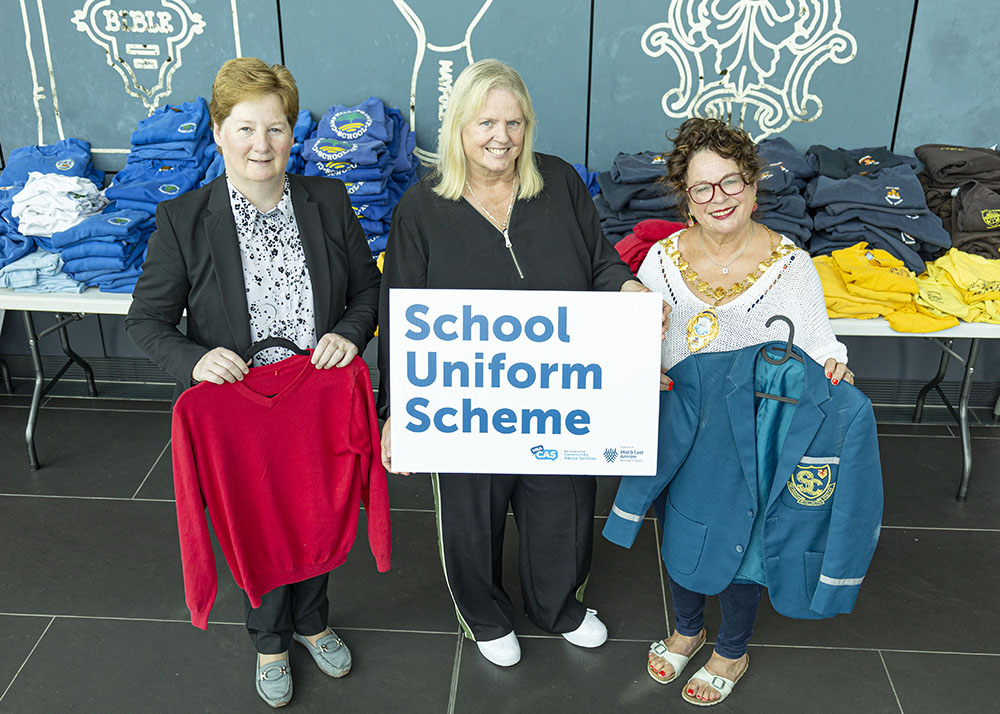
x: 281, y: 461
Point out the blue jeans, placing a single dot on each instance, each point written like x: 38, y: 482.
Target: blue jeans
x: 739, y: 602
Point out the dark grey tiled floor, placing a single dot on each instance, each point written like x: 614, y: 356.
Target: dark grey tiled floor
x: 92, y: 615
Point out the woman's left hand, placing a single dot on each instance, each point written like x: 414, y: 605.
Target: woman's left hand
x: 634, y: 286
x: 332, y: 350
x: 837, y: 371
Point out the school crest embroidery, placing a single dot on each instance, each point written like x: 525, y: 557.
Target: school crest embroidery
x: 811, y: 484
x: 991, y: 217
x: 892, y: 196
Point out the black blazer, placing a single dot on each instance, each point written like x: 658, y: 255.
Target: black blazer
x: 193, y: 262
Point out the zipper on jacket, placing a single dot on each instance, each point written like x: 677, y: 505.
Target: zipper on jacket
x: 506, y: 238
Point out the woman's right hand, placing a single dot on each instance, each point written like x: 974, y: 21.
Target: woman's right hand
x: 218, y: 366
x: 387, y: 448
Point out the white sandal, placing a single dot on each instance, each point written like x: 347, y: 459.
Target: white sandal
x: 677, y: 661
x: 720, y: 684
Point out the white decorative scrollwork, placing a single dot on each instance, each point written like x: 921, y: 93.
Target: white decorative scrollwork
x: 749, y: 61
x: 153, y: 40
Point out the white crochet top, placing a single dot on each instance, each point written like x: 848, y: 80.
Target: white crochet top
x: 790, y: 287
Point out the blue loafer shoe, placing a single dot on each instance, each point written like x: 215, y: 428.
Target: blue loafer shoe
x: 330, y: 653
x: 274, y: 682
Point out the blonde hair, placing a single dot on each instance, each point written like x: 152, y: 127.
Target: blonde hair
x: 246, y: 78
x: 468, y: 96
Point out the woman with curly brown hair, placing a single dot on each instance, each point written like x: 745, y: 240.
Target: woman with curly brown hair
x: 724, y: 276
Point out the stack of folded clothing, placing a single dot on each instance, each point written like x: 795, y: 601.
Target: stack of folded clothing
x: 370, y: 148
x: 38, y: 272
x: 784, y: 174
x: 863, y: 282
x: 630, y: 192
x: 171, y: 149
x: 69, y: 157
x: 962, y: 186
x: 962, y: 285
x: 106, y: 250
x: 886, y: 209
x: 49, y: 203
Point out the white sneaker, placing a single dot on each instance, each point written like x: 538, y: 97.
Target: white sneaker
x: 502, y: 652
x: 590, y: 633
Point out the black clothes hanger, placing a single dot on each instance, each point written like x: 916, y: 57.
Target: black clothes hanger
x: 788, y: 346
x: 780, y: 360
x: 271, y: 341
x: 268, y: 342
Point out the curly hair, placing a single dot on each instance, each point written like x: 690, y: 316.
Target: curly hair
x: 698, y: 134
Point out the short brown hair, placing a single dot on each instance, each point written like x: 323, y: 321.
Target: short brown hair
x: 246, y: 78
x: 698, y: 134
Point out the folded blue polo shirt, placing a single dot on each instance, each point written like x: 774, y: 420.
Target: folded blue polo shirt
x: 70, y: 157
x: 120, y: 225
x: 143, y: 185
x: 187, y: 122
x: 13, y: 245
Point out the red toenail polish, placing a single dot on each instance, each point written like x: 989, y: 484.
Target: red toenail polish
x: 690, y: 691
x: 835, y: 381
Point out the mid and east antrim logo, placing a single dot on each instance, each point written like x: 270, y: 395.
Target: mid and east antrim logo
x: 812, y: 485
x: 892, y: 195
x: 187, y: 127
x: 991, y: 217
x: 169, y: 189
x: 351, y: 124
x: 610, y: 455
x: 544, y: 454
x: 332, y: 148
x: 119, y: 220
x: 65, y: 164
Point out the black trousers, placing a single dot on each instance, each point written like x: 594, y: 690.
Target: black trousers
x: 300, y: 607
x: 555, y: 521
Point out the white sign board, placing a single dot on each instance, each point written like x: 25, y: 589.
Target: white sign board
x: 539, y: 382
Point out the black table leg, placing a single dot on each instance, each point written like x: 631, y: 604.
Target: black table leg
x: 38, y: 390
x: 918, y: 410
x: 8, y: 385
x: 963, y: 412
x: 84, y: 365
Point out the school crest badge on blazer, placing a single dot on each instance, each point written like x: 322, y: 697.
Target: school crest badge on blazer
x: 812, y: 484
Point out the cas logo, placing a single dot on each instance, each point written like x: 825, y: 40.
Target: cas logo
x: 332, y: 148
x: 351, y: 124
x: 169, y: 189
x: 65, y: 164
x: 892, y: 196
x: 187, y: 127
x: 119, y: 221
x: 544, y: 454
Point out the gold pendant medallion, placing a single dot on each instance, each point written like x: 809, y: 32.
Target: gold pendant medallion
x: 702, y: 329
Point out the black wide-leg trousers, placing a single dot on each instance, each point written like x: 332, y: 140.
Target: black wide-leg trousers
x: 300, y: 607
x: 555, y: 522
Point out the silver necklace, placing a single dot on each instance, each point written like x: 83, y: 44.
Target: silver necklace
x: 502, y: 227
x: 725, y: 267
